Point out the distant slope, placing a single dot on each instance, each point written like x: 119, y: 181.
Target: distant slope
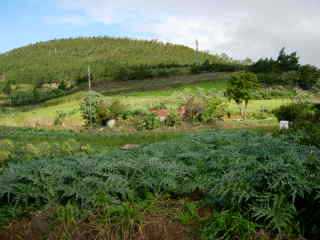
x: 67, y: 59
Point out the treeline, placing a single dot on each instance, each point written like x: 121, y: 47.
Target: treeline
x: 286, y: 70
x: 208, y: 66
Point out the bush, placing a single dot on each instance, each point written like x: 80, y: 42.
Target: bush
x: 214, y: 67
x: 215, y: 110
x: 173, y: 119
x: 60, y: 117
x: 194, y: 109
x: 149, y: 121
x: 309, y: 76
x: 107, y: 111
x: 89, y: 107
x: 35, y: 96
x: 296, y: 113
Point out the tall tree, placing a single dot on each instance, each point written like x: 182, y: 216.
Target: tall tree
x: 287, y: 62
x: 241, y: 88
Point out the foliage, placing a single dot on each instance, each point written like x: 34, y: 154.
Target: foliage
x: 148, y: 121
x: 287, y: 62
x: 173, y: 119
x: 67, y: 59
x: 249, y: 175
x: 7, y: 89
x: 21, y: 98
x: 276, y: 212
x: 206, y: 66
x: 263, y: 66
x: 296, y: 112
x: 284, y: 63
x: 107, y: 111
x: 240, y: 89
x: 194, y: 108
x: 89, y: 108
x: 61, y: 116
x: 228, y: 225
x: 286, y: 70
x: 215, y: 109
x: 309, y: 76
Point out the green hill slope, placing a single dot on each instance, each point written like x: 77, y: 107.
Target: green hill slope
x: 68, y: 59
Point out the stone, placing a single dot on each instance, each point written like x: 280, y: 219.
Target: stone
x: 111, y: 123
x: 284, y: 125
x: 129, y: 146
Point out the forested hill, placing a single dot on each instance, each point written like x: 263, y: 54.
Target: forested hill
x: 67, y: 59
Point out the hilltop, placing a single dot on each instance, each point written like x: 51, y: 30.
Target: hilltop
x: 67, y: 59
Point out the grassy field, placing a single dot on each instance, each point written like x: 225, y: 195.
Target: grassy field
x: 137, y: 95
x: 67, y: 59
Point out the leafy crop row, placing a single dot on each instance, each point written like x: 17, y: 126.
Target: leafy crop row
x: 270, y: 181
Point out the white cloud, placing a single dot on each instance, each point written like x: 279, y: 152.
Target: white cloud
x: 240, y: 28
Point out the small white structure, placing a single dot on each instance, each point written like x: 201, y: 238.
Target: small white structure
x: 284, y: 125
x: 111, y: 123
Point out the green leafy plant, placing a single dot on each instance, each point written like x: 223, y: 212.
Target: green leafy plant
x: 228, y: 225
x: 240, y: 89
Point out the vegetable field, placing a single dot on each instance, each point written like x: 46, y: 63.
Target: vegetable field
x: 252, y: 185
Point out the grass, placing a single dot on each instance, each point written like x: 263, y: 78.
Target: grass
x: 172, y: 94
x: 98, y: 141
x: 66, y: 59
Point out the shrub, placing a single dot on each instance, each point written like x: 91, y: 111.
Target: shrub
x: 122, y: 74
x: 296, y: 112
x: 214, y: 67
x: 109, y: 110
x: 63, y: 85
x: 309, y: 76
x: 89, y: 107
x: 4, y: 157
x: 194, y: 109
x: 20, y: 98
x: 173, y: 119
x: 215, y: 110
x: 159, y: 106
x: 59, y: 118
x: 149, y: 121
x: 7, y: 89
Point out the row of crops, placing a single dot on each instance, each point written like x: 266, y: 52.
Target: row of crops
x: 253, y: 182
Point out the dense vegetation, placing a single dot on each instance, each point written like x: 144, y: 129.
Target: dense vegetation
x: 287, y: 70
x: 256, y: 181
x: 68, y: 59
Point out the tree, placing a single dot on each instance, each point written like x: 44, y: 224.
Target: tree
x: 240, y: 89
x: 309, y: 76
x: 287, y: 62
x: 63, y: 85
x: 7, y: 89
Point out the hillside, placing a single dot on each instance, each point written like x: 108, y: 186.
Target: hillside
x: 67, y: 59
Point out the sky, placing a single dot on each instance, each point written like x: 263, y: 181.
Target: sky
x: 239, y: 28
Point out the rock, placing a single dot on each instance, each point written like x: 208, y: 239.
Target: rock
x: 111, y: 123
x: 129, y: 146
